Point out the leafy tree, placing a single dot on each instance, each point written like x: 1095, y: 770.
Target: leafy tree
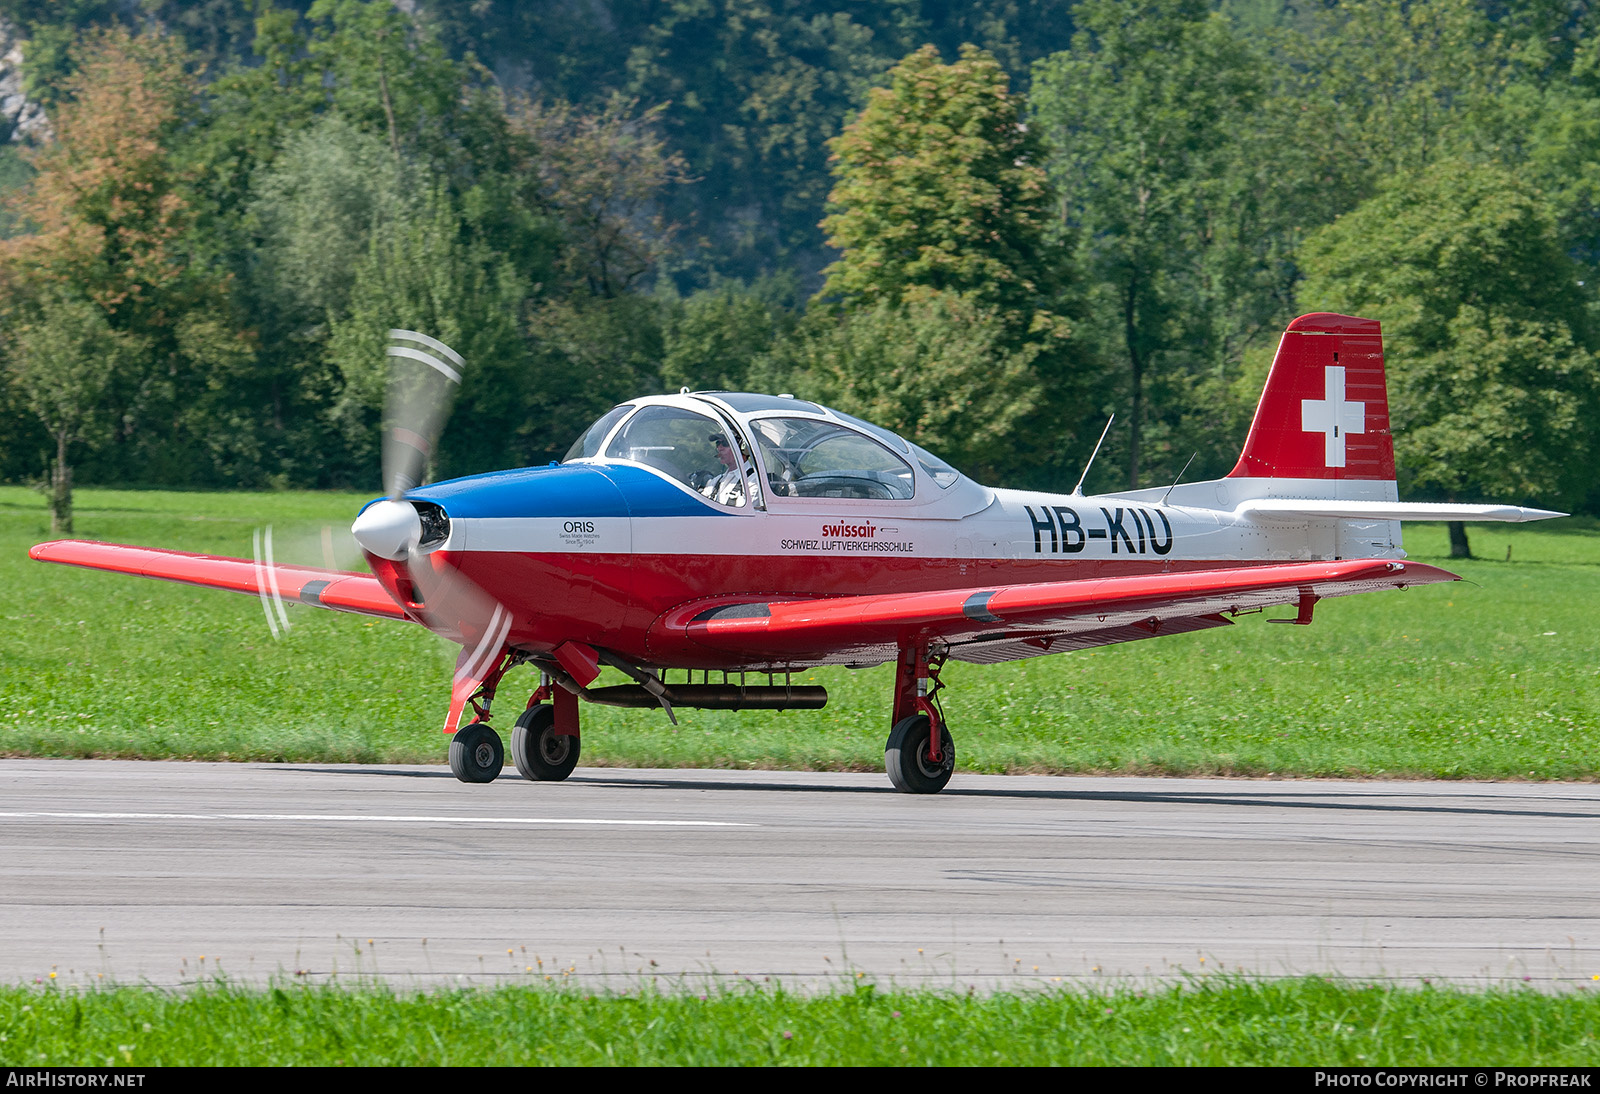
x: 1383, y: 88
x: 382, y: 71
x: 315, y: 210
x: 63, y: 359
x: 941, y: 187
x: 940, y: 368
x: 602, y: 175
x: 109, y: 227
x: 590, y: 353
x: 752, y: 90
x: 1492, y: 384
x: 419, y: 275
x: 711, y: 338
x: 106, y: 211
x: 1140, y: 112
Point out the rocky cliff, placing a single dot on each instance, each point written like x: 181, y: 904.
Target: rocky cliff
x: 19, y: 119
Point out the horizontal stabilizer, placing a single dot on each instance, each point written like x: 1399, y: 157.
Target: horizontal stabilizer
x: 1329, y: 509
x: 335, y: 589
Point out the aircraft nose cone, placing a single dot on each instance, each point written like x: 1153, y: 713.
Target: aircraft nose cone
x: 389, y: 529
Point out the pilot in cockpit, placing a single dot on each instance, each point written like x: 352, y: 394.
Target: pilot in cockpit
x: 729, y: 487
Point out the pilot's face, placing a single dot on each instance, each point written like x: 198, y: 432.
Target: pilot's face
x: 725, y: 454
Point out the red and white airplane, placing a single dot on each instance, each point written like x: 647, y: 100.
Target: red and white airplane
x: 709, y: 536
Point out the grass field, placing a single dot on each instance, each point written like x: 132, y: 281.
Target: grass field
x: 1214, y: 1021
x: 1494, y: 678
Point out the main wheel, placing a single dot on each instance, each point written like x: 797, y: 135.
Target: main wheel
x: 538, y: 750
x: 906, y: 757
x: 476, y: 755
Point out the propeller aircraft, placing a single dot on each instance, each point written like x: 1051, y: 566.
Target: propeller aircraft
x: 692, y: 541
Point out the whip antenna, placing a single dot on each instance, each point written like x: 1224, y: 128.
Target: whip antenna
x: 1177, y: 480
x: 1077, y: 491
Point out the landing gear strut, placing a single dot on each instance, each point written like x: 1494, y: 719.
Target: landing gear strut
x: 920, y: 755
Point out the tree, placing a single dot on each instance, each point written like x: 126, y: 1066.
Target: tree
x: 1492, y: 384
x: 109, y: 226
x: 105, y: 208
x: 383, y: 72
x: 1384, y: 88
x: 419, y: 275
x: 603, y: 175
x: 1140, y: 112
x: 939, y: 186
x: 938, y: 367
x: 711, y: 338
x: 315, y: 211
x: 63, y: 359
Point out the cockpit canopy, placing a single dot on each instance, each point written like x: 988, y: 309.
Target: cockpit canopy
x: 733, y: 447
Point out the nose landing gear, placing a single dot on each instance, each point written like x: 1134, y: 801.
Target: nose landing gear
x: 476, y: 754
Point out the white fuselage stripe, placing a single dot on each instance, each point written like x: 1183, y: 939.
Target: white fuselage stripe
x: 1016, y: 525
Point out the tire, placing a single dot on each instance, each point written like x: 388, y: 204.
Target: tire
x: 539, y: 752
x: 476, y: 754
x: 905, y: 757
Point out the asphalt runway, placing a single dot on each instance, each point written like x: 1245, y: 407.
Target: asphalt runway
x: 167, y: 873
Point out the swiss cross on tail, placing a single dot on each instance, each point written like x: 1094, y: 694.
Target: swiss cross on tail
x: 1325, y: 411
x: 1333, y: 417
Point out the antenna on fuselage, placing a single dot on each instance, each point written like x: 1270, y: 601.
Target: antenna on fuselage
x: 1077, y: 491
x: 1177, y: 480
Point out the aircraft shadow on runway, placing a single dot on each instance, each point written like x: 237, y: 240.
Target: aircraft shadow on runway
x: 1365, y: 801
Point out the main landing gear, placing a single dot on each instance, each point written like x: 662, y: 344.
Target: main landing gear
x: 538, y: 749
x: 544, y: 743
x: 920, y: 755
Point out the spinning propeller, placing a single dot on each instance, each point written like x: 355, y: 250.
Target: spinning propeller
x: 423, y: 379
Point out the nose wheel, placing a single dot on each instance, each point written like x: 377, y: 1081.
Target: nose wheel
x: 476, y: 754
x: 538, y: 750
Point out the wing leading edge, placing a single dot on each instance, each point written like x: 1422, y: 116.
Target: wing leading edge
x: 1014, y: 621
x: 338, y: 590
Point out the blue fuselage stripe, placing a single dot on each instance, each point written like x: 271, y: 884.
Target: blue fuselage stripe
x: 575, y: 490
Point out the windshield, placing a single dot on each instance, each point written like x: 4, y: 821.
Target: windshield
x: 589, y: 444
x: 808, y: 458
x: 935, y: 468
x: 691, y: 448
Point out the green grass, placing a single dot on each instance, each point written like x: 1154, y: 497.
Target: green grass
x: 1211, y: 1021
x: 1496, y: 679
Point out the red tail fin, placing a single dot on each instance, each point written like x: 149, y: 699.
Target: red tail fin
x: 1325, y: 411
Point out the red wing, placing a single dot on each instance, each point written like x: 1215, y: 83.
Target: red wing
x: 336, y: 589
x: 1012, y: 621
